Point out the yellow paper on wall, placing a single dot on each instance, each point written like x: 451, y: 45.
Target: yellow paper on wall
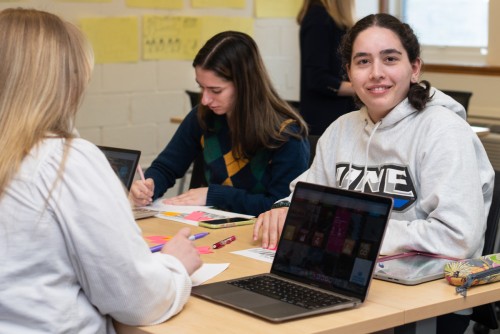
x: 115, y: 40
x: 181, y: 37
x: 170, y: 37
x: 277, y: 8
x: 165, y: 4
x: 85, y: 0
x: 213, y: 25
x: 218, y: 3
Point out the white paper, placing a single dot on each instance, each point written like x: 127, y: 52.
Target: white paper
x: 196, y: 212
x: 260, y: 254
x: 207, y: 271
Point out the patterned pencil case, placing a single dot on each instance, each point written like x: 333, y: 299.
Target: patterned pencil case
x: 467, y: 273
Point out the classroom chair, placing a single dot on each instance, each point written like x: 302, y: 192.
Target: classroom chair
x: 461, y: 97
x: 194, y: 97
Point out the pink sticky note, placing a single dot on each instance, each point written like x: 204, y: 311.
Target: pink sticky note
x: 159, y: 239
x: 196, y: 216
x: 204, y: 249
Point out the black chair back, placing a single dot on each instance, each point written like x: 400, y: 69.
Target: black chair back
x: 485, y: 315
x: 194, y: 97
x: 460, y: 96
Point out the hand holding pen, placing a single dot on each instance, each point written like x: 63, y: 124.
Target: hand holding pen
x: 184, y: 250
x: 141, y: 192
x: 193, y: 237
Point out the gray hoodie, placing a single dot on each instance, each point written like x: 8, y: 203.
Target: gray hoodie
x: 430, y: 162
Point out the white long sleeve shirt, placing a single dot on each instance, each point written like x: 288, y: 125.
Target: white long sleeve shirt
x: 73, y: 262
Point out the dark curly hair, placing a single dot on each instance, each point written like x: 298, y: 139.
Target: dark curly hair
x: 419, y: 93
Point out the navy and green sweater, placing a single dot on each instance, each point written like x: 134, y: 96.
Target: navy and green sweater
x: 248, y: 187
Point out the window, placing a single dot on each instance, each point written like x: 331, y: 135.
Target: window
x: 462, y: 23
x: 450, y: 31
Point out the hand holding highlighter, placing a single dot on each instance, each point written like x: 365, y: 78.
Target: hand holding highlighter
x: 226, y: 222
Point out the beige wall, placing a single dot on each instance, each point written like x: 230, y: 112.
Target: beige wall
x: 494, y: 32
x: 130, y: 105
x: 485, y: 101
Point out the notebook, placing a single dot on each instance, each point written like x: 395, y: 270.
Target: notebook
x: 124, y: 162
x: 329, y: 247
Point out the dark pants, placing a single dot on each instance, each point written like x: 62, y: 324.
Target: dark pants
x: 452, y: 323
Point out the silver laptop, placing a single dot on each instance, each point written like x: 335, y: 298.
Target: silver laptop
x: 124, y: 162
x: 324, y: 261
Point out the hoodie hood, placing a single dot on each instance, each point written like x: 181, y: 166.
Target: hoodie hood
x: 404, y: 109
x: 400, y: 112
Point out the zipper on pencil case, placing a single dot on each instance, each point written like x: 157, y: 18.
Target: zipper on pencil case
x: 477, y: 276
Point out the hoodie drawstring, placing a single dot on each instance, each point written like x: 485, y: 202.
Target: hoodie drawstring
x: 365, y: 179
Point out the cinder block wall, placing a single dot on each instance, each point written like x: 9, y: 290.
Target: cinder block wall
x: 130, y: 104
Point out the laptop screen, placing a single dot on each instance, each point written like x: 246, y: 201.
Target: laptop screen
x: 123, y: 161
x: 331, y: 238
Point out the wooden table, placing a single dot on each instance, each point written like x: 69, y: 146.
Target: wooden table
x: 176, y: 119
x: 388, y: 304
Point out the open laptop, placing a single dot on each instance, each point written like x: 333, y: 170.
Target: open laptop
x: 329, y: 247
x: 124, y: 162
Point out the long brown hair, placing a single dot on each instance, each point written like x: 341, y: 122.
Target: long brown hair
x: 259, y: 114
x: 341, y: 11
x: 45, y: 67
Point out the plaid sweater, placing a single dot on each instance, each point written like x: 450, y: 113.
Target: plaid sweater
x: 245, y: 186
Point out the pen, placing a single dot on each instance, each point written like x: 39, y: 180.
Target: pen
x: 193, y: 237
x: 223, y: 242
x: 198, y: 236
x: 141, y: 173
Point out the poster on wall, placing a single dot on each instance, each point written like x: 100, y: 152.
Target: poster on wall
x: 94, y: 1
x: 215, y: 24
x: 163, y: 4
x: 170, y: 37
x: 181, y: 37
x: 277, y: 8
x: 218, y: 3
x: 114, y: 39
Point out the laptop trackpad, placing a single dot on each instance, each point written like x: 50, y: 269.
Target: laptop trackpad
x: 269, y: 308
x: 247, y: 299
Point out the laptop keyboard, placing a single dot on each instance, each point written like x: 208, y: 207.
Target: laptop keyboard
x: 288, y: 292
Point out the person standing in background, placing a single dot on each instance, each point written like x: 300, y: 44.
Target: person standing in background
x: 324, y: 93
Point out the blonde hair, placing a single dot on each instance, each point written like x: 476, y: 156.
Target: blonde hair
x: 341, y: 11
x: 45, y: 67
